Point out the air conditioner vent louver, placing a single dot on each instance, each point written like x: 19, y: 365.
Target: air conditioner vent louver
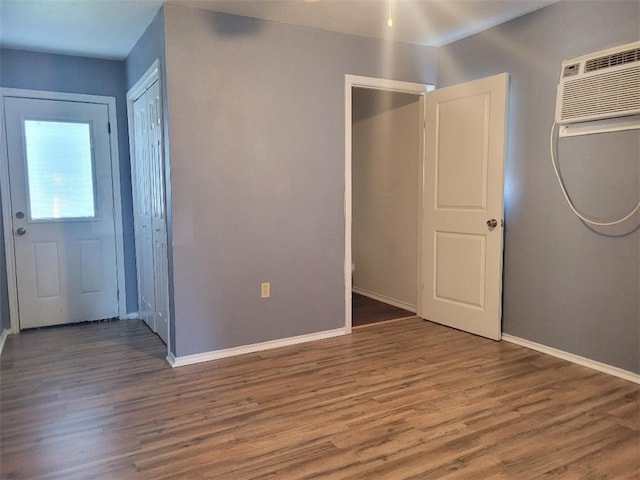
x: 600, y: 91
x: 615, y: 59
x: 604, y: 94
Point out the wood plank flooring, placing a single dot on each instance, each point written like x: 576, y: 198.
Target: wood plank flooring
x: 367, y: 311
x: 401, y: 400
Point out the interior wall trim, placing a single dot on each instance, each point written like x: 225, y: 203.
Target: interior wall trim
x: 384, y: 299
x: 255, y: 347
x: 577, y: 359
x: 356, y: 81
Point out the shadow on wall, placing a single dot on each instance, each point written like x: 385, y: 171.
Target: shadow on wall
x: 233, y: 25
x: 368, y: 102
x: 623, y: 232
x: 594, y: 169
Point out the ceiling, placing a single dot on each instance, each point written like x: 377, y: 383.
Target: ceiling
x: 110, y: 28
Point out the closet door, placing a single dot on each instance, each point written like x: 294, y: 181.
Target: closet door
x: 158, y: 210
x: 142, y: 195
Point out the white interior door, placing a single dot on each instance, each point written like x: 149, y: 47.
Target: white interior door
x: 142, y: 212
x: 158, y: 217
x: 62, y: 211
x: 464, y: 204
x: 149, y: 211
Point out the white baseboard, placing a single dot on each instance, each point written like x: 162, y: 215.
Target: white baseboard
x: 171, y: 359
x: 3, y: 338
x: 255, y: 347
x: 585, y: 362
x: 384, y: 299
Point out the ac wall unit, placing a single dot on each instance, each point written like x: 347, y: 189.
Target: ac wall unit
x: 600, y: 92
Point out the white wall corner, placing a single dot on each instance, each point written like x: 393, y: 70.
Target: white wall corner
x: 577, y: 359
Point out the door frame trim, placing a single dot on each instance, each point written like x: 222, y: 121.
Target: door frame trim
x: 7, y: 219
x: 142, y: 84
x: 146, y: 80
x: 419, y: 89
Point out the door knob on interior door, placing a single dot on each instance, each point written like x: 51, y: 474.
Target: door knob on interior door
x: 21, y: 231
x: 493, y: 223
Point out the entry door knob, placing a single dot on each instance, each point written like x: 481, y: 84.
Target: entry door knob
x: 493, y: 223
x: 21, y: 231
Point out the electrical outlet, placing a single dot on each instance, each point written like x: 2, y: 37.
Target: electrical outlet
x: 265, y: 290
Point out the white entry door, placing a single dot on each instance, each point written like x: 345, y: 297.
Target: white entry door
x: 463, y: 206
x: 62, y: 211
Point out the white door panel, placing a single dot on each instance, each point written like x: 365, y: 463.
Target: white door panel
x: 46, y: 260
x: 62, y: 211
x: 142, y: 213
x: 158, y: 220
x: 149, y: 211
x: 462, y: 147
x: 459, y: 255
x: 464, y: 173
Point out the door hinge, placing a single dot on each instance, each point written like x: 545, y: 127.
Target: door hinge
x: 109, y: 127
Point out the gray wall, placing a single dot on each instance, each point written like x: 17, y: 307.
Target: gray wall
x: 148, y: 49
x: 256, y: 110
x: 386, y: 161
x: 63, y: 73
x: 565, y: 285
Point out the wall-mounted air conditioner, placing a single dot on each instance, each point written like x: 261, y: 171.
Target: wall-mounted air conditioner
x: 600, y: 92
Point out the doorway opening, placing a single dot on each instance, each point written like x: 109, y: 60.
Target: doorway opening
x: 461, y: 200
x: 384, y: 163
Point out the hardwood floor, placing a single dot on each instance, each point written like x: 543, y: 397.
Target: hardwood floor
x: 367, y: 311
x: 407, y: 399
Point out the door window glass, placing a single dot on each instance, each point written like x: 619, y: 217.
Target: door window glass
x: 60, y: 176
